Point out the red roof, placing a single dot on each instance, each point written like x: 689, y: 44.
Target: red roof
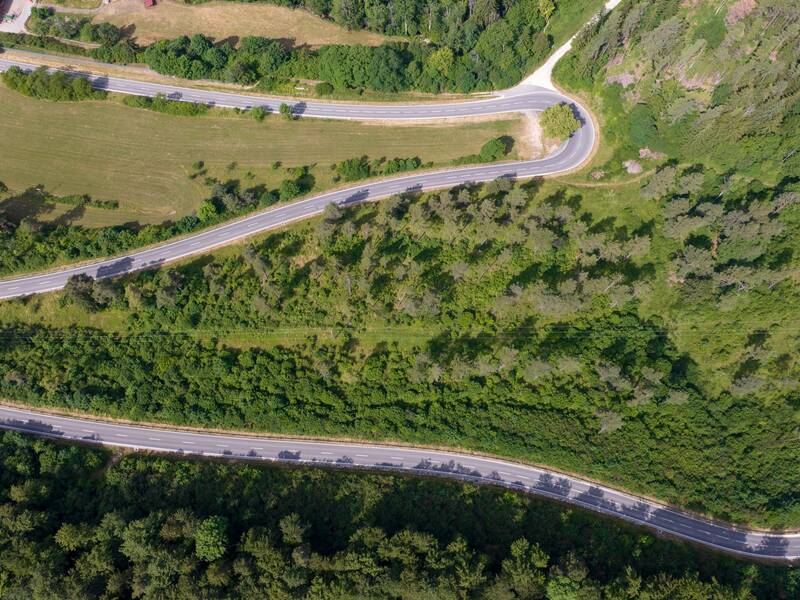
x: 149, y: 3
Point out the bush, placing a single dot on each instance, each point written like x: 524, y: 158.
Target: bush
x: 286, y: 111
x: 354, y: 169
x: 643, y: 130
x: 559, y: 122
x: 399, y: 165
x: 323, y: 89
x: 259, y: 113
x: 163, y: 105
x: 50, y: 86
x: 493, y: 150
x: 288, y: 189
x: 19, y: 40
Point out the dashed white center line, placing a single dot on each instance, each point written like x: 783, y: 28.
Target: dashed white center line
x: 362, y: 455
x: 523, y: 477
x: 257, y: 448
x: 87, y: 431
x: 326, y: 452
x: 222, y: 446
x: 503, y: 473
x: 121, y: 435
x: 396, y: 458
x: 190, y: 443
x: 154, y: 439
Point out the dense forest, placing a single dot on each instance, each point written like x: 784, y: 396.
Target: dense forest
x: 453, y: 46
x: 76, y: 524
x: 717, y: 85
x: 537, y: 336
x: 644, y: 333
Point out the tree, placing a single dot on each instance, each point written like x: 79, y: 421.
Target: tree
x: 207, y: 211
x: 79, y: 289
x: 559, y: 122
x: 289, y: 189
x: 211, y: 538
x: 292, y: 529
x: 525, y: 569
x: 440, y: 61
x: 286, y: 111
x: 354, y: 169
x: 348, y: 13
x: 492, y: 150
x: 547, y: 8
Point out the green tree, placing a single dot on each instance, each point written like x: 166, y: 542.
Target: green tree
x: 286, y: 111
x: 211, y: 538
x: 559, y: 122
x: 493, y: 150
x: 547, y: 8
x: 79, y: 288
x: 207, y: 211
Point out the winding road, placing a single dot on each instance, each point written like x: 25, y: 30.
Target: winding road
x: 416, y: 461
x: 523, y: 98
x: 534, y: 94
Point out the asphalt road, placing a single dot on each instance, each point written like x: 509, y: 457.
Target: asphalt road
x: 417, y: 461
x: 523, y: 98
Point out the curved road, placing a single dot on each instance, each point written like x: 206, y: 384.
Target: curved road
x: 522, y: 98
x: 417, y: 461
x: 530, y: 96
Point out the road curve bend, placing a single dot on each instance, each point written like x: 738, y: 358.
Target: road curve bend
x: 784, y: 547
x: 571, y: 154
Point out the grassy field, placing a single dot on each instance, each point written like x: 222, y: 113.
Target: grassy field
x: 142, y: 159
x: 76, y: 3
x: 222, y: 20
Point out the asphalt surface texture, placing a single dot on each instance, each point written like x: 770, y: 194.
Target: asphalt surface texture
x: 417, y: 461
x: 571, y: 154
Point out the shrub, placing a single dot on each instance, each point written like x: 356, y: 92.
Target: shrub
x: 50, y: 86
x: 643, y: 128
x: 323, y: 89
x: 559, y: 122
x: 259, y: 113
x: 493, y: 150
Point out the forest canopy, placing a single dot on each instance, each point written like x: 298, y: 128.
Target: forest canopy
x: 76, y: 524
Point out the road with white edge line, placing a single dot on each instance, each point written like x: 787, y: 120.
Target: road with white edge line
x: 534, y: 94
x: 416, y: 461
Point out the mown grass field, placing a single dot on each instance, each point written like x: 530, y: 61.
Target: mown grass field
x: 143, y: 159
x: 222, y: 20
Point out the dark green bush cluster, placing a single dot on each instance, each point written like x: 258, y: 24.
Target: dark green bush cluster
x: 361, y: 167
x: 46, y: 22
x: 162, y: 104
x: 50, y: 86
x: 21, y: 40
x: 491, y: 151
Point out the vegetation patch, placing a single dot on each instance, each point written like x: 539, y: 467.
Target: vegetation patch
x: 224, y: 20
x: 146, y: 163
x: 682, y: 93
x: 74, y: 522
x: 561, y: 328
x: 50, y: 86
